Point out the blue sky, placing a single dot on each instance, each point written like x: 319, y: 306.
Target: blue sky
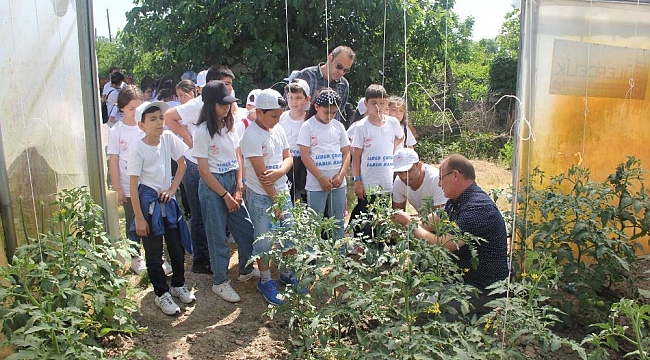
x: 488, y: 15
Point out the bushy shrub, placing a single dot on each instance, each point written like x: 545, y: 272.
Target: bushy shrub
x: 394, y: 299
x: 61, y: 292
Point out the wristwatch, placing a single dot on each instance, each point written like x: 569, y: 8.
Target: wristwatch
x: 356, y: 178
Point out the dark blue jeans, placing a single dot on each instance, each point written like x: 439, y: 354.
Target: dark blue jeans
x: 197, y: 228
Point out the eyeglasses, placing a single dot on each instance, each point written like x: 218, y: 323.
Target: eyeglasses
x: 341, y: 67
x: 442, y: 176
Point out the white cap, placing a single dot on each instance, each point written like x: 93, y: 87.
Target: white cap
x: 269, y: 99
x: 404, y: 159
x: 139, y: 111
x: 303, y: 84
x: 250, y: 99
x: 361, y: 106
x: 200, y: 78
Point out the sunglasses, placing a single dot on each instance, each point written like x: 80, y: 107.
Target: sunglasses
x: 340, y: 66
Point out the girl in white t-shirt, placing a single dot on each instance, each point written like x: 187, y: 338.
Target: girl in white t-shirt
x: 397, y: 109
x: 121, y: 137
x: 325, y: 151
x: 216, y: 148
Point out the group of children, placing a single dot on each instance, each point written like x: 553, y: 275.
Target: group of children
x: 243, y: 170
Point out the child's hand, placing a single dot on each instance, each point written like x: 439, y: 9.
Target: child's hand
x: 337, y: 181
x: 231, y: 203
x: 165, y: 196
x: 121, y: 196
x: 325, y: 183
x: 141, y: 226
x: 270, y: 176
x: 359, y: 191
x: 279, y: 214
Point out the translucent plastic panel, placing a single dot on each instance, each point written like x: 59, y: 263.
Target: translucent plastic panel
x: 584, y: 81
x: 41, y: 106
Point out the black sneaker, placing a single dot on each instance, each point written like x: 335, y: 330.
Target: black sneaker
x: 200, y: 267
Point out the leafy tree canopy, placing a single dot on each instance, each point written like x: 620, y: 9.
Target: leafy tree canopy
x: 250, y: 37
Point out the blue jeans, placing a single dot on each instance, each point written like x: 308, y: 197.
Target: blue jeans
x: 216, y: 212
x: 197, y: 228
x: 336, y: 200
x: 259, y: 205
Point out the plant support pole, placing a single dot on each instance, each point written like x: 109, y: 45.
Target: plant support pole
x: 6, y: 211
x: 89, y: 94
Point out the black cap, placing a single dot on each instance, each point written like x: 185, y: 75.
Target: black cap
x: 217, y: 92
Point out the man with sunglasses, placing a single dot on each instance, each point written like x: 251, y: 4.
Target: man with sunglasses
x: 474, y: 212
x: 330, y: 74
x: 416, y: 182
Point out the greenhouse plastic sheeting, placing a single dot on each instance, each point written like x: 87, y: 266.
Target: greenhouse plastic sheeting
x: 583, y: 81
x: 41, y: 105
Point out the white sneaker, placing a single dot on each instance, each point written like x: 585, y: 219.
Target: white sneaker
x: 138, y: 265
x: 167, y: 268
x: 183, y: 294
x: 167, y: 304
x: 245, y: 277
x: 230, y: 239
x: 226, y: 292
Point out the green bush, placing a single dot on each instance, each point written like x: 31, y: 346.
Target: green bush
x: 61, y: 293
x: 482, y: 146
x: 591, y: 228
x: 392, y: 301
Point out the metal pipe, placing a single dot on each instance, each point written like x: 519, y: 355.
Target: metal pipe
x: 6, y: 209
x: 90, y: 97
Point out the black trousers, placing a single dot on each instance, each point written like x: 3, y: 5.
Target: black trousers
x: 153, y: 253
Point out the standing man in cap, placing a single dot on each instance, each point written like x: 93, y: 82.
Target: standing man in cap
x: 416, y: 182
x: 330, y: 74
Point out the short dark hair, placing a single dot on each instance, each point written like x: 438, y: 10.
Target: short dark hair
x: 218, y: 72
x: 150, y: 110
x: 375, y: 91
x: 294, y: 88
x: 462, y: 165
x: 117, y: 78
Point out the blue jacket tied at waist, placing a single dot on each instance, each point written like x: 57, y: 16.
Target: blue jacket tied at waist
x: 152, y: 209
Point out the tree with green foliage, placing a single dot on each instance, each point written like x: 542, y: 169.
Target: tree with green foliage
x: 503, y: 71
x: 250, y: 37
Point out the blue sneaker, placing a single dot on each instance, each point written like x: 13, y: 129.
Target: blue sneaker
x: 292, y: 281
x: 270, y: 292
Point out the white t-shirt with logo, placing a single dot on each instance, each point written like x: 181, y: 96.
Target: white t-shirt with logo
x: 153, y: 163
x: 409, y: 141
x: 189, y: 113
x: 219, y: 150
x: 121, y: 138
x: 429, y: 189
x: 292, y: 129
x: 270, y: 146
x: 325, y: 142
x: 377, y: 143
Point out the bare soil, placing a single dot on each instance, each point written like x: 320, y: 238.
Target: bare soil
x: 212, y: 328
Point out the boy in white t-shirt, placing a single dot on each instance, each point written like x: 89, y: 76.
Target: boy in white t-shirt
x: 373, y: 144
x: 242, y: 122
x: 416, y: 182
x: 297, y: 95
x: 267, y: 160
x: 157, y: 214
